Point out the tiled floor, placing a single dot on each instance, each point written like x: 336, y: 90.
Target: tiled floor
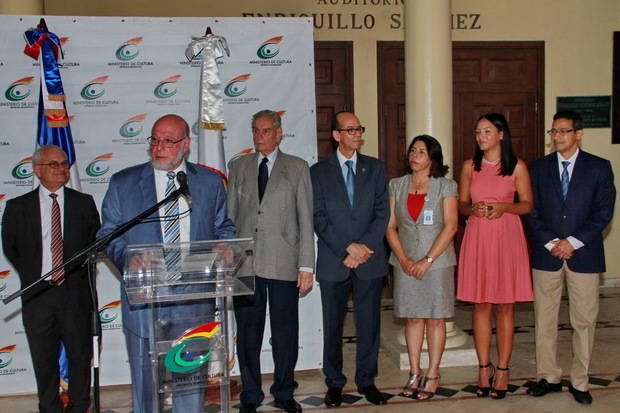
x: 455, y: 394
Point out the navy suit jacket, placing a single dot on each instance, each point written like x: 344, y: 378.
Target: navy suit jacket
x: 585, y: 213
x: 131, y: 191
x: 337, y: 224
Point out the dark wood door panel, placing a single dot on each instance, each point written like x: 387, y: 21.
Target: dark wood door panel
x: 333, y: 69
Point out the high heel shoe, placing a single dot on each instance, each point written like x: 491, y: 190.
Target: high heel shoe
x: 426, y: 394
x: 484, y: 391
x: 496, y: 393
x: 413, y: 385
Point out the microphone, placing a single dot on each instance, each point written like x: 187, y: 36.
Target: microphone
x: 182, y: 180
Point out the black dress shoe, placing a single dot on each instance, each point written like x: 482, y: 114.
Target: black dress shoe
x: 290, y: 405
x: 333, y: 397
x: 248, y: 408
x: 372, y: 394
x: 581, y: 397
x: 543, y: 387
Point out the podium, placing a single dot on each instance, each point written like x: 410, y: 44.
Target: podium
x: 191, y: 318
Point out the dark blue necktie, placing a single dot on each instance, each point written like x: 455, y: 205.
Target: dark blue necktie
x: 564, y: 178
x: 263, y: 176
x: 350, y: 180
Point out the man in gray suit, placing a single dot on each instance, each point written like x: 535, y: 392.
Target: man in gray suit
x: 350, y: 218
x: 270, y: 199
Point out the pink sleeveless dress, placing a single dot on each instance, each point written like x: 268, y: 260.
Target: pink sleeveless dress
x: 493, y: 261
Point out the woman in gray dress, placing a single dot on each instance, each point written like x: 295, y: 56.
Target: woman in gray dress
x: 423, y: 221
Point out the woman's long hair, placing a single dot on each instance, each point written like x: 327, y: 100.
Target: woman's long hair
x: 508, y: 157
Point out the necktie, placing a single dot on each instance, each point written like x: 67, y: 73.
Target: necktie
x: 564, y: 178
x: 56, y: 246
x: 263, y: 177
x: 172, y: 233
x: 350, y: 180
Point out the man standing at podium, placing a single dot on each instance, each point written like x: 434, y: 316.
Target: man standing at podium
x: 135, y: 189
x: 39, y: 231
x: 270, y: 199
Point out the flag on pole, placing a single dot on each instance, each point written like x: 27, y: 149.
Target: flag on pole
x: 52, y: 119
x: 211, y: 108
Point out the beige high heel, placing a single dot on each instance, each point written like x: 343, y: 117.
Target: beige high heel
x: 413, y: 385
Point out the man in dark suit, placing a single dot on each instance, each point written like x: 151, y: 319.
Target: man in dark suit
x: 574, y: 198
x: 350, y: 218
x: 40, y: 230
x: 270, y: 199
x: 132, y: 191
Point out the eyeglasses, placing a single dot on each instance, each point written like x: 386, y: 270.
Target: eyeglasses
x: 351, y: 131
x: 552, y: 132
x: 55, y: 165
x: 165, y: 142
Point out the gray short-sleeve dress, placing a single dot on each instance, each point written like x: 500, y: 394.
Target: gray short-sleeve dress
x: 433, y: 295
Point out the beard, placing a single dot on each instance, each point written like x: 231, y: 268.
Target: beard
x: 170, y: 165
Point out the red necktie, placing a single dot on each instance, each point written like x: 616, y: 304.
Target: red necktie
x: 57, y: 256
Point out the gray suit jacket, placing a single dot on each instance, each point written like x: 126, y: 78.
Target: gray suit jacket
x: 416, y: 237
x: 282, y: 225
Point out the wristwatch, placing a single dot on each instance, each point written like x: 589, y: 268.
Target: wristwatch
x: 429, y: 259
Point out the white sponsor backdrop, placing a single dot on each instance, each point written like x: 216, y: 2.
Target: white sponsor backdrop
x: 120, y: 75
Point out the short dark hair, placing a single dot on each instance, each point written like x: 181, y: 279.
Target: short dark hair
x: 570, y: 115
x: 433, y: 148
x: 508, y: 157
x: 335, y: 123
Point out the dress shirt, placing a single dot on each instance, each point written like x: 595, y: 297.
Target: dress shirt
x: 342, y: 159
x: 572, y: 240
x: 271, y: 160
x: 45, y: 206
x: 161, y: 181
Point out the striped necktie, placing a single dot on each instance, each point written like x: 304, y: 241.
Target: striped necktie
x: 56, y: 246
x: 564, y: 178
x: 172, y: 233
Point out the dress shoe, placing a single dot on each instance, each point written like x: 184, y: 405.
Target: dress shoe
x: 290, y: 405
x: 543, y: 387
x: 581, y: 397
x: 248, y: 408
x: 372, y: 394
x: 333, y: 397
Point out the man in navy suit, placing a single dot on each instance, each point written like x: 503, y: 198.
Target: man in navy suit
x: 574, y: 197
x: 132, y: 191
x: 350, y: 217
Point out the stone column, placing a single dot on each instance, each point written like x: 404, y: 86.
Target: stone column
x: 428, y: 80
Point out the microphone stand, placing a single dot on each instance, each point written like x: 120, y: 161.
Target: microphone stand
x: 89, y: 255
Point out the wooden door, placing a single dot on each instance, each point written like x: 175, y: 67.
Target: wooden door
x: 333, y: 68
x: 506, y: 77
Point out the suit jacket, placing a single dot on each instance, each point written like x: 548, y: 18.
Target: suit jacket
x: 337, y: 224
x: 22, y: 241
x: 131, y: 191
x: 281, y: 224
x: 587, y: 210
x: 415, y: 237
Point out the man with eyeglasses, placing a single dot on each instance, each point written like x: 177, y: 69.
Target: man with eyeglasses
x: 350, y: 218
x: 132, y: 191
x: 270, y: 199
x: 40, y: 230
x: 574, y: 198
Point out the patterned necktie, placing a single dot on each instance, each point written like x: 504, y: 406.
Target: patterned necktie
x: 263, y: 177
x: 172, y: 233
x: 350, y: 180
x: 564, y: 178
x: 56, y: 246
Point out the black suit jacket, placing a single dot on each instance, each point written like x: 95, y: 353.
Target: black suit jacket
x: 587, y: 210
x: 338, y: 224
x: 21, y: 241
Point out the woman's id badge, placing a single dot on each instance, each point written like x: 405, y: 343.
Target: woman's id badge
x: 428, y: 217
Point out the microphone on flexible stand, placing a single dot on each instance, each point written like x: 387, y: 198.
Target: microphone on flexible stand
x: 184, y: 188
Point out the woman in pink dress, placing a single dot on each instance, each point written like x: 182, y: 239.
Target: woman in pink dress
x: 494, y: 270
